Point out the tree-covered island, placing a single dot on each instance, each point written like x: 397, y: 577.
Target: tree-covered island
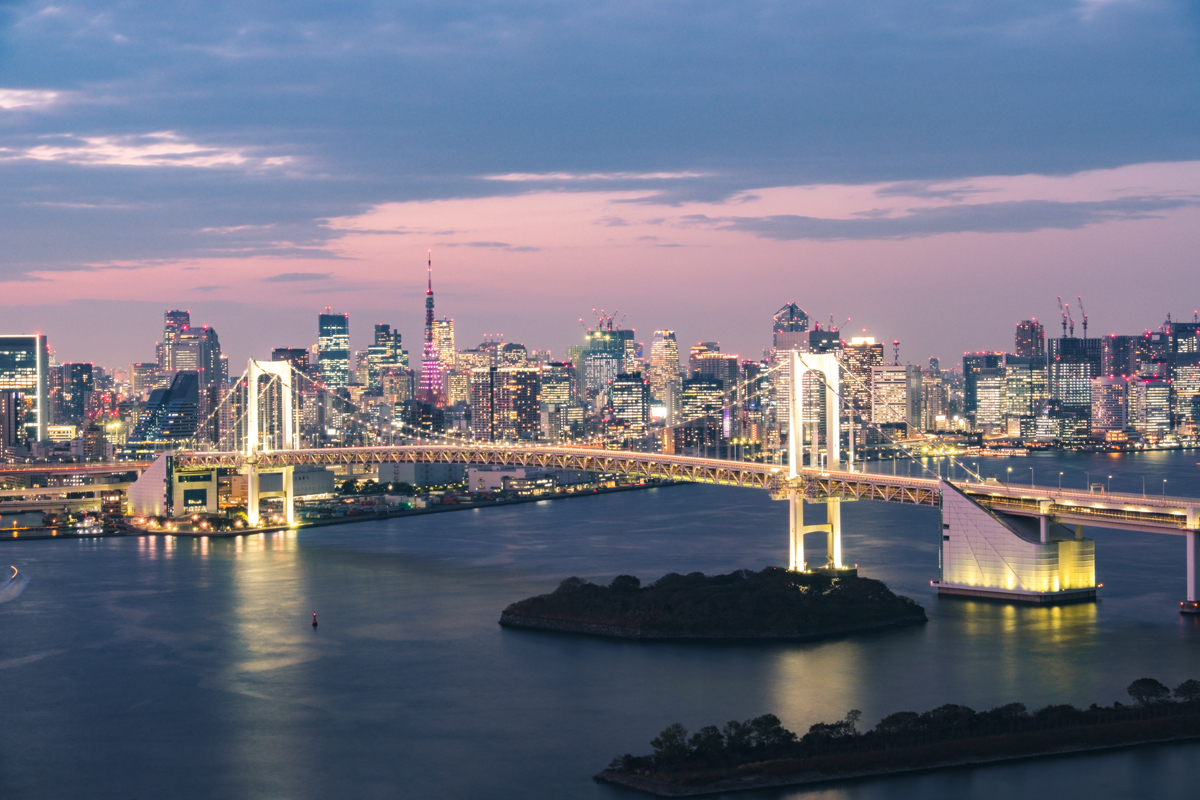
x: 760, y: 752
x: 771, y: 604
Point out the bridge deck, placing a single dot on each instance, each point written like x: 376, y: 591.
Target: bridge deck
x: 1106, y: 509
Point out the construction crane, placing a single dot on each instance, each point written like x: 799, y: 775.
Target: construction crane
x: 1071, y: 319
x: 1081, y: 311
x: 1062, y: 310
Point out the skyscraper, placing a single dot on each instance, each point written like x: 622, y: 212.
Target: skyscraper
x: 860, y: 357
x: 174, y: 323
x: 25, y: 368
x: 1031, y: 339
x: 197, y: 350
x: 443, y: 339
x: 333, y: 348
x: 1072, y: 365
x: 664, y: 364
x: 77, y: 386
x: 972, y: 364
x: 432, y: 389
x: 698, y: 350
x: 789, y: 325
x: 631, y: 403
x: 1110, y: 404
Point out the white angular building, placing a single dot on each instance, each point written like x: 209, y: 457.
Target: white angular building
x: 1030, y: 559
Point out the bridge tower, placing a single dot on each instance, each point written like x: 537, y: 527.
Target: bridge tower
x: 825, y: 364
x: 256, y: 442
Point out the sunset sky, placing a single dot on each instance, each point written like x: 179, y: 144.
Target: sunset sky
x: 933, y: 172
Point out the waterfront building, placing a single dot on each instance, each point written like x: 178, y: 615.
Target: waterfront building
x: 933, y: 397
x: 630, y: 397
x: 1150, y: 407
x: 25, y: 369
x: 333, y: 348
x: 972, y: 364
x: 1073, y: 363
x: 789, y: 332
x: 1025, y: 391
x: 1154, y: 355
x: 1185, y: 388
x: 1110, y: 404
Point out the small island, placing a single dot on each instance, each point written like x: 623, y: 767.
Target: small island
x: 771, y: 604
x: 761, y: 753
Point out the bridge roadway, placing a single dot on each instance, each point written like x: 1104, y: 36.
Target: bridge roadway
x: 1151, y: 514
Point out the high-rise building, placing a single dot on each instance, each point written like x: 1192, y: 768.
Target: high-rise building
x: 1031, y: 339
x: 599, y: 368
x: 1118, y: 356
x: 860, y: 357
x: 1186, y: 387
x: 333, y: 349
x: 511, y: 354
x: 1025, y: 390
x: 991, y: 400
x: 298, y: 358
x: 386, y: 354
x: 631, y: 403
x: 77, y: 389
x: 504, y: 403
x: 1150, y: 406
x: 896, y: 394
x: 1110, y: 404
x: 1154, y: 355
x: 443, y: 342
x: 483, y: 409
x: 170, y: 415
x: 197, y: 350
x: 699, y: 349
x: 719, y: 366
x: 664, y: 364
x: 143, y: 378
x: 556, y: 383
x: 432, y: 388
x: 972, y: 364
x: 25, y: 368
x: 790, y: 327
x: 174, y: 323
x: 1073, y: 363
x: 700, y: 397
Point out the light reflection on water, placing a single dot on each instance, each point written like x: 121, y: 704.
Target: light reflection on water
x: 170, y: 666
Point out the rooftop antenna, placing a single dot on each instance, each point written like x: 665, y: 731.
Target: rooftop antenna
x: 1082, y: 311
x: 1062, y: 311
x: 896, y: 352
x: 429, y: 271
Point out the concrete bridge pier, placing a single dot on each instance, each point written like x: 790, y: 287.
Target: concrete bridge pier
x: 1192, y: 535
x: 832, y: 528
x: 252, y: 497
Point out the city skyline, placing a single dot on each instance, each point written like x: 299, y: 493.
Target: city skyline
x: 167, y: 165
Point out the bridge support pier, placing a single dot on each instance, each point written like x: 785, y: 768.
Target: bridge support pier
x: 833, y: 513
x: 796, y: 531
x: 289, y: 495
x: 1192, y: 604
x: 252, y: 497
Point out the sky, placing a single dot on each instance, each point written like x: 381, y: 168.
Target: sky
x: 931, y: 172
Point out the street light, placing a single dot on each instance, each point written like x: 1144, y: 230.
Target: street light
x: 1109, y: 489
x: 1009, y: 475
x: 1164, y: 487
x: 1060, y: 481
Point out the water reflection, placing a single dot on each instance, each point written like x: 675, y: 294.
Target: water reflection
x: 270, y: 662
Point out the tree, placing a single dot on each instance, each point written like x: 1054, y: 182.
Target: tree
x: 349, y: 486
x: 1147, y: 691
x: 625, y: 583
x: 670, y: 746
x: 1188, y: 691
x: 707, y: 743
